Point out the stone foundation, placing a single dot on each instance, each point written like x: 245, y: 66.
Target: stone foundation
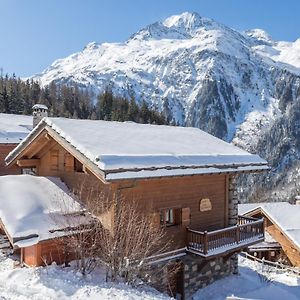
x: 193, y: 273
x: 198, y: 272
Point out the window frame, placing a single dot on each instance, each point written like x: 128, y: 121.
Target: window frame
x: 171, y: 213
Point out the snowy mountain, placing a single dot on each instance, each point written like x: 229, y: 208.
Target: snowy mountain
x: 199, y: 73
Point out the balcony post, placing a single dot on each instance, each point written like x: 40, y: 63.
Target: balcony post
x: 237, y: 234
x: 205, y: 246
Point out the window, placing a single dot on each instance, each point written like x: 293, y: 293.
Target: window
x: 170, y: 216
x: 78, y: 167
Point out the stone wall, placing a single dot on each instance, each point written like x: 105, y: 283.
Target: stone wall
x: 232, y: 201
x: 194, y: 273
x: 198, y: 272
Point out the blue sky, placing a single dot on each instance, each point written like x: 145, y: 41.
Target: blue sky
x: 36, y: 32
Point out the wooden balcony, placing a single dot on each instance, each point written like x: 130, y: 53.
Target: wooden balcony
x: 213, y: 243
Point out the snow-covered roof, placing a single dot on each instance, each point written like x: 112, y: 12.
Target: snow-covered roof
x: 14, y: 128
x: 39, y: 106
x: 283, y: 214
x: 131, y: 150
x: 34, y: 208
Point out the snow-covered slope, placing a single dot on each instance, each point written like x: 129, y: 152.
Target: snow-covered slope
x: 199, y: 72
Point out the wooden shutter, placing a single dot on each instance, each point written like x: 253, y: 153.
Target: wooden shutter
x: 69, y: 162
x: 54, y: 160
x: 156, y: 219
x: 185, y: 216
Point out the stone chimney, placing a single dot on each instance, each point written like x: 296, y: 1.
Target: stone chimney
x: 40, y: 111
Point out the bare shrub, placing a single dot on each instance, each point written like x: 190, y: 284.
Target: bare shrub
x: 116, y: 232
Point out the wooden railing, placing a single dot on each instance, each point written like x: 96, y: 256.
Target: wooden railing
x: 247, y: 232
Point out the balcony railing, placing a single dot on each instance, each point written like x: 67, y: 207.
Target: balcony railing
x: 248, y: 231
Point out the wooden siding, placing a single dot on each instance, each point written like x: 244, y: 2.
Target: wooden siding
x: 46, y: 252
x: 184, y: 193
x: 288, y: 247
x: 4, y: 150
x: 58, y: 162
x: 30, y: 256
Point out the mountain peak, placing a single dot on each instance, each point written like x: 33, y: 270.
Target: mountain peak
x: 182, y: 26
x: 259, y: 35
x: 186, y: 19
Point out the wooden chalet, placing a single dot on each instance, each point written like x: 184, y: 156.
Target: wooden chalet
x: 187, y: 175
x: 282, y: 229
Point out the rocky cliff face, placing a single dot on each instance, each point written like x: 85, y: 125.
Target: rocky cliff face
x: 238, y: 86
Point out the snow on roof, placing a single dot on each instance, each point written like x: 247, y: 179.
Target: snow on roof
x: 117, y: 147
x: 39, y: 106
x: 284, y: 214
x: 32, y: 208
x: 14, y: 128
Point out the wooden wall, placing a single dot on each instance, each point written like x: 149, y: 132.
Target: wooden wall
x: 4, y: 150
x: 45, y: 252
x: 288, y: 247
x: 184, y: 193
x: 59, y: 163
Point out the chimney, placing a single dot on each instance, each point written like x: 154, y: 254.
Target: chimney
x: 40, y: 111
x: 297, y: 200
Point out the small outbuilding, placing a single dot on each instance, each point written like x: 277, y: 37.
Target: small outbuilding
x: 37, y: 214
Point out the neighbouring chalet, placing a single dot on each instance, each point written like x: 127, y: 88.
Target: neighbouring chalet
x: 187, y: 175
x: 36, y: 211
x: 282, y: 231
x: 13, y: 129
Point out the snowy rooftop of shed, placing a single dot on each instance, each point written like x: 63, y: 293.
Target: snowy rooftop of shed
x: 33, y: 208
x: 14, y: 128
x: 284, y: 214
x: 130, y: 150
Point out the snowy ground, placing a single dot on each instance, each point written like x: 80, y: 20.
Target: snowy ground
x: 55, y: 282
x: 255, y: 281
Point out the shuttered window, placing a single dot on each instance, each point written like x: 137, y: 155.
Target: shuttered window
x: 54, y: 160
x: 186, y: 216
x: 170, y: 216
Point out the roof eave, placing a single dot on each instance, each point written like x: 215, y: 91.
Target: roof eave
x: 255, y: 169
